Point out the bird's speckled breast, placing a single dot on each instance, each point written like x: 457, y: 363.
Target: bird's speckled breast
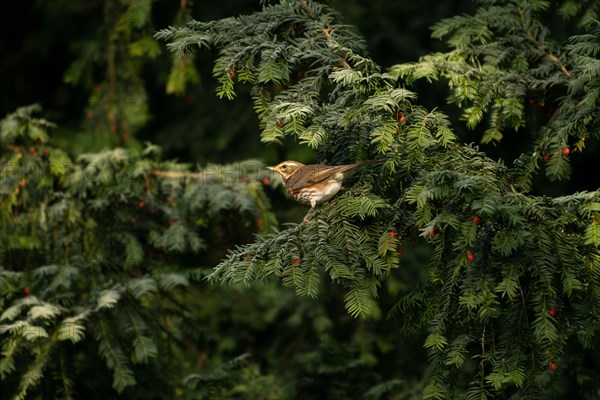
x: 320, y: 191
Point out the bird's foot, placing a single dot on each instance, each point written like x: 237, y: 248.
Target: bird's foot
x: 306, y: 216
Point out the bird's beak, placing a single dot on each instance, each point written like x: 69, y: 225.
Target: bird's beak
x: 272, y: 168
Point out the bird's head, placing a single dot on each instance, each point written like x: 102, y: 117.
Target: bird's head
x: 286, y: 168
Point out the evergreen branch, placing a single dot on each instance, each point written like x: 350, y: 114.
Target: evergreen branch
x: 67, y: 384
x: 115, y: 360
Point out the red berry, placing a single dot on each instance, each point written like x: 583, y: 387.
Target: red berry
x: 173, y: 222
x: 566, y: 151
x: 259, y: 222
x: 141, y: 204
x: 432, y: 233
x: 401, y: 118
x: 232, y: 74
x: 553, y: 367
x: 280, y: 123
x: 476, y: 219
x: 297, y: 261
x: 266, y: 181
x: 470, y: 256
x: 26, y: 291
x: 394, y: 234
x: 547, y: 157
x: 400, y: 250
x: 533, y: 102
x: 32, y: 150
x: 552, y: 312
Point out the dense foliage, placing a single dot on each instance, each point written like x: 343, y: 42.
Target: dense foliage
x: 94, y: 249
x: 439, y: 272
x: 504, y: 264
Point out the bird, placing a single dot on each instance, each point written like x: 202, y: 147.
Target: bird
x: 314, y: 183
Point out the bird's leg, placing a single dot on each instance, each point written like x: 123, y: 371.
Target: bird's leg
x: 306, y: 216
x: 313, y: 203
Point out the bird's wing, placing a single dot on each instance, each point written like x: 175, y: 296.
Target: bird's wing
x: 311, y: 174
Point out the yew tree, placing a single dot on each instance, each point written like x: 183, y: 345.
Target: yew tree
x: 451, y: 242
x: 513, y: 277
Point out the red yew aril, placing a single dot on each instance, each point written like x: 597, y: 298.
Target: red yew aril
x: 470, y: 256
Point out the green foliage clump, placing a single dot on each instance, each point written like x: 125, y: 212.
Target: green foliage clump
x: 96, y: 256
x: 504, y: 65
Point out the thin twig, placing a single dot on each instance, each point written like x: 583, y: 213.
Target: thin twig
x: 483, y: 357
x: 531, y: 37
x: 326, y: 32
x: 177, y: 174
x: 552, y: 57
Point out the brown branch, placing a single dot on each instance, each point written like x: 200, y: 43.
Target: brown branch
x: 482, y: 364
x: 552, y: 57
x: 344, y: 63
x: 177, y: 174
x: 147, y: 182
x: 531, y: 37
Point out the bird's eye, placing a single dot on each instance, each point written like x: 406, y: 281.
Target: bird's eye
x: 284, y: 166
